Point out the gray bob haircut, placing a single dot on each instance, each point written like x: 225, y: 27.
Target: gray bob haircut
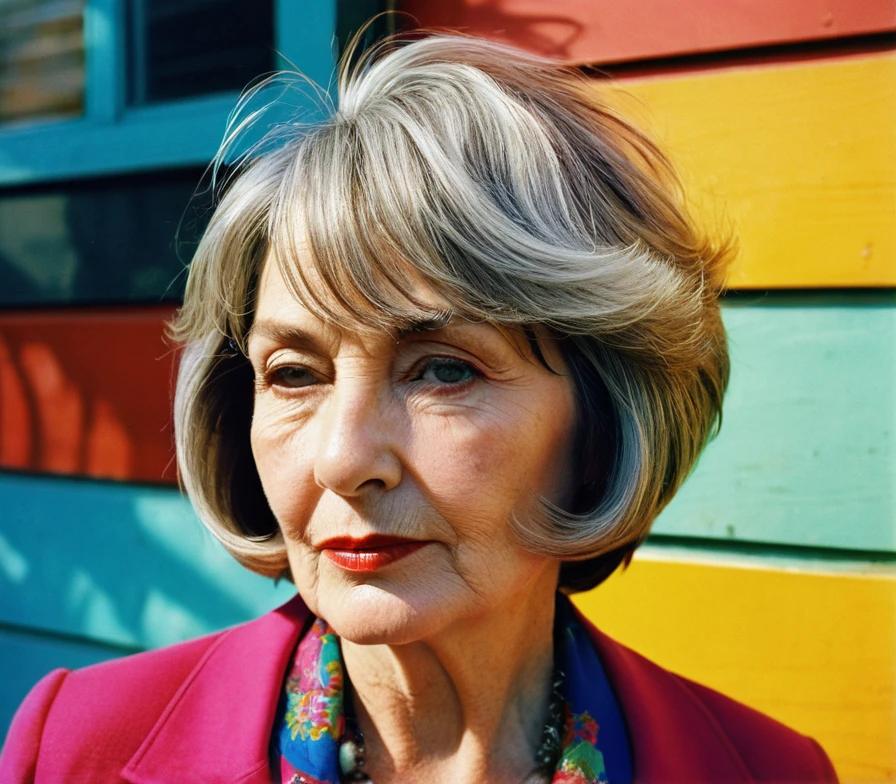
x: 503, y: 182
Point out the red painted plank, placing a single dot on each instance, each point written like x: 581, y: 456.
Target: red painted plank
x: 607, y: 31
x: 87, y: 392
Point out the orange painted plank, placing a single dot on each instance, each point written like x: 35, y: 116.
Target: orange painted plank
x: 605, y: 31
x: 87, y: 392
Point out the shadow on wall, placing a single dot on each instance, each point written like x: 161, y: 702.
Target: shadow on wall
x: 122, y: 564
x: 90, y: 570
x: 87, y: 393
x: 552, y: 35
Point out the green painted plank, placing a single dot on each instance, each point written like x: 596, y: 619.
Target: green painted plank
x: 806, y: 453
x: 122, y: 564
x: 26, y: 657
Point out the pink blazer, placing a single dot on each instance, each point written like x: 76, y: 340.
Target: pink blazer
x: 202, y: 711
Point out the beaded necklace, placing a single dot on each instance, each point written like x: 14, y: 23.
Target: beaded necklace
x: 352, y: 759
x: 316, y: 738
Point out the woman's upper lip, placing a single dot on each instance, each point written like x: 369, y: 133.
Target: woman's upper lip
x: 370, y: 542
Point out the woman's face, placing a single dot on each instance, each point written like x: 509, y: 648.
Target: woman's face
x: 394, y: 466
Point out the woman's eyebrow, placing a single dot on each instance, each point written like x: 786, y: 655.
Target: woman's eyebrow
x: 425, y: 322
x: 445, y: 326
x: 283, y: 333
x: 289, y: 334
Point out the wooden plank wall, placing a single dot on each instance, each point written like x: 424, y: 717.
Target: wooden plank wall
x: 771, y: 576
x: 797, y: 157
x: 87, y: 392
x: 809, y: 642
x: 597, y: 32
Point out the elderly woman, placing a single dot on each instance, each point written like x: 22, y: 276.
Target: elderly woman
x: 447, y: 356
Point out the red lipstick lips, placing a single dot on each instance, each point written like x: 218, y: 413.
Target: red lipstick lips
x: 370, y: 552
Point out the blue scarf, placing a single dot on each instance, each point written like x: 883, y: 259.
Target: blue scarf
x: 310, y: 721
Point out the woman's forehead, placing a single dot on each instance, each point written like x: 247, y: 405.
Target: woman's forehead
x: 306, y: 297
x: 280, y: 310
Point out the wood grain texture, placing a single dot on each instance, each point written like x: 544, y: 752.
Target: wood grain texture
x: 798, y: 159
x: 816, y: 651
x: 807, y: 450
x: 87, y: 392
x: 125, y: 565
x: 602, y: 31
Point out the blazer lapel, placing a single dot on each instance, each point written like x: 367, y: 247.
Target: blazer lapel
x: 673, y: 735
x: 217, y: 726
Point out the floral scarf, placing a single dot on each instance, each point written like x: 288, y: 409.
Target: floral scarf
x: 310, y: 721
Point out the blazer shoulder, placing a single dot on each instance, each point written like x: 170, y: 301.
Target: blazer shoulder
x: 84, y: 724
x: 130, y: 688
x: 19, y: 756
x: 771, y: 750
x: 683, y: 730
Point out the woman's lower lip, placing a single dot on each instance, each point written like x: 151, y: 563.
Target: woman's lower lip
x: 369, y: 560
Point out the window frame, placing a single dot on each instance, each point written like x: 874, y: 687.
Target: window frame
x: 112, y: 138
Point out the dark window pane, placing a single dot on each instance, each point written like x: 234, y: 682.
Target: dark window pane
x: 372, y: 15
x: 182, y: 48
x: 41, y: 59
x: 105, y: 241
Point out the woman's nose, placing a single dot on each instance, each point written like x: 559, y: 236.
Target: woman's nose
x: 356, y: 447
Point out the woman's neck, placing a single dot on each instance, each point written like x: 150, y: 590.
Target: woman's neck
x: 469, y: 705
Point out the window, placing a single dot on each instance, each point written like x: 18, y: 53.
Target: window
x: 102, y: 87
x: 182, y: 48
x: 41, y: 59
x: 112, y: 240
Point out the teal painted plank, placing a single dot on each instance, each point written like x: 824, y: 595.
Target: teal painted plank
x: 121, y: 564
x: 806, y: 454
x: 25, y: 658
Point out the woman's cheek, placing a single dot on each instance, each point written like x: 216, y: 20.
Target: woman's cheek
x: 287, y: 482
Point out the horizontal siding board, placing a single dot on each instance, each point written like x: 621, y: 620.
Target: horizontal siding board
x: 124, y: 565
x: 815, y: 650
x: 603, y: 31
x: 25, y: 657
x: 806, y: 453
x: 87, y: 392
x: 797, y: 159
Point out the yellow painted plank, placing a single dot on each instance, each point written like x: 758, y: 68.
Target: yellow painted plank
x: 800, y: 157
x: 814, y: 650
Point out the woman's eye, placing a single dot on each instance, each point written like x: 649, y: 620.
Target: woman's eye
x: 441, y: 370
x: 291, y: 376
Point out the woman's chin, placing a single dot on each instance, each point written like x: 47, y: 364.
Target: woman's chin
x: 370, y: 614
